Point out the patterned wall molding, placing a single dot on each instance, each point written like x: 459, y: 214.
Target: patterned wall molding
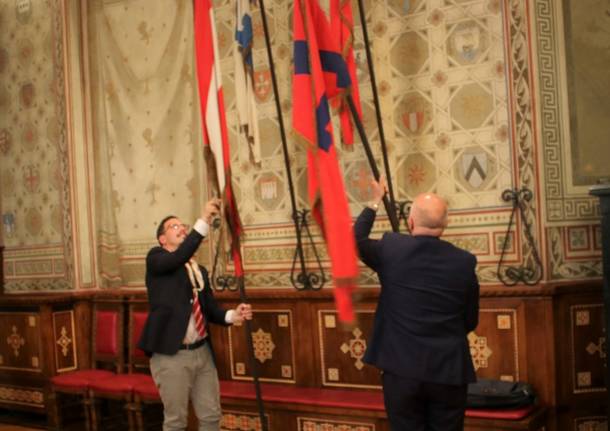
x: 562, y: 266
x: 241, y: 421
x: 320, y: 424
x: 21, y: 396
x: 59, y: 64
x: 564, y: 203
x: 519, y: 40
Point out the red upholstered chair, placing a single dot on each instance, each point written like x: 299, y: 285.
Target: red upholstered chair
x: 145, y: 392
x: 121, y: 387
x: 107, y: 358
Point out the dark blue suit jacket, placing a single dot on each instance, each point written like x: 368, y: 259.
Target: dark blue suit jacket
x: 429, y: 301
x: 170, y: 295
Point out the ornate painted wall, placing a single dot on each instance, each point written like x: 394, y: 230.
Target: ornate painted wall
x: 474, y: 101
x: 34, y: 170
x: 571, y: 216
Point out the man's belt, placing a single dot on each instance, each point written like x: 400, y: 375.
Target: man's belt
x: 194, y: 345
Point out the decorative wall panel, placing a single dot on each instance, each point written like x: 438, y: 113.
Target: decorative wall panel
x: 494, y: 344
x: 20, y: 347
x: 342, y: 351
x: 588, y: 343
x: 65, y: 341
x: 273, y: 341
x: 562, y: 261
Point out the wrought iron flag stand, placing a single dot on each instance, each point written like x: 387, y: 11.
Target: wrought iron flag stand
x: 510, y: 275
x: 304, y: 280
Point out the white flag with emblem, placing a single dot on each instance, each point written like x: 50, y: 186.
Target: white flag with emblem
x: 244, y: 89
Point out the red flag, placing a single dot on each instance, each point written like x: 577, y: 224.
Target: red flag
x: 214, y: 124
x: 316, y: 68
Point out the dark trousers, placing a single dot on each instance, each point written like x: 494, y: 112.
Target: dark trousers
x: 413, y: 405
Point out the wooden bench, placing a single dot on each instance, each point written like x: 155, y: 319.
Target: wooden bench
x: 288, y: 406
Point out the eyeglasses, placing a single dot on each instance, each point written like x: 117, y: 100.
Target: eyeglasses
x: 176, y: 226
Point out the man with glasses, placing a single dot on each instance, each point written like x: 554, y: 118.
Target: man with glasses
x: 176, y: 333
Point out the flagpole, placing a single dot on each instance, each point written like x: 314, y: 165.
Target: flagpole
x: 295, y: 214
x: 390, y: 208
x: 384, y: 151
x: 253, y: 365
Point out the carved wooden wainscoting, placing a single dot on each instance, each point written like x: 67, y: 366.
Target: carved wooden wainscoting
x: 40, y: 336
x: 311, y: 366
x: 581, y: 361
x: 550, y: 336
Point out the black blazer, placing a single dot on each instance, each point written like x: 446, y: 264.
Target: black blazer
x: 429, y: 301
x: 170, y: 295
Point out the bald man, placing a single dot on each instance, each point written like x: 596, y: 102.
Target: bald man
x: 429, y: 302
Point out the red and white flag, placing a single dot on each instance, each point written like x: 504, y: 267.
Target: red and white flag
x: 215, y: 135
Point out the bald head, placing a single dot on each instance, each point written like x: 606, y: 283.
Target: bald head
x: 428, y: 215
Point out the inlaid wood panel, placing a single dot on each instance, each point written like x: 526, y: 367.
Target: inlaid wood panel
x: 588, y: 348
x: 20, y: 347
x: 342, y: 351
x: 240, y: 421
x: 332, y: 424
x: 591, y: 423
x: 273, y: 341
x: 494, y: 344
x: 22, y: 396
x: 65, y: 341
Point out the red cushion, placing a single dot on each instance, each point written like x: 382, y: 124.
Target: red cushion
x: 118, y: 384
x: 106, y: 324
x: 369, y: 400
x: 511, y: 414
x: 147, y: 390
x: 80, y: 379
x: 138, y: 321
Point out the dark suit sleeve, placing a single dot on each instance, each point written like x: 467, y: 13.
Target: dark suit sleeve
x: 472, y: 302
x: 160, y: 261
x: 369, y: 249
x: 212, y: 310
